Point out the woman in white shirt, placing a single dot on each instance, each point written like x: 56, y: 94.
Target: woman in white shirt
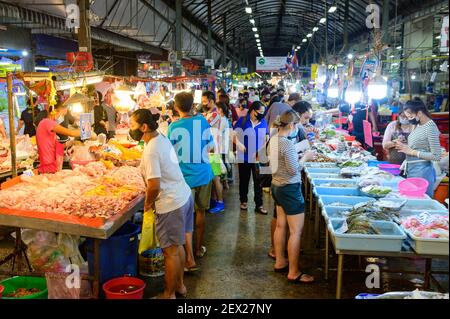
x: 169, y: 195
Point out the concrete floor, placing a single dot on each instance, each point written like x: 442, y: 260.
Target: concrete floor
x: 237, y: 266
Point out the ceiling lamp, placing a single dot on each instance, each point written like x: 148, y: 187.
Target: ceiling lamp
x: 24, y: 53
x: 350, y: 56
x: 315, y: 29
x: 256, y: 35
x: 255, y: 29
x: 258, y: 40
x: 248, y: 10
x: 252, y: 21
x: 298, y: 47
x: 304, y: 40
x: 332, y: 9
x: 323, y: 20
x: 309, y: 35
x: 399, y: 47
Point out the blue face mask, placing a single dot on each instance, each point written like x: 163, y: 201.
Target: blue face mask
x: 294, y: 133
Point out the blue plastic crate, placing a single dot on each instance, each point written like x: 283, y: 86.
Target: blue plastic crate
x: 390, y: 239
x: 345, y: 191
x: 366, y: 296
x: 349, y: 200
x: 331, y: 212
x: 323, y: 175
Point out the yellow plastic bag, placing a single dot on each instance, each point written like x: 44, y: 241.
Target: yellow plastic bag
x: 148, y: 236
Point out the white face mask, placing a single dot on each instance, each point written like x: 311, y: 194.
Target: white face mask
x: 60, y: 119
x: 404, y: 121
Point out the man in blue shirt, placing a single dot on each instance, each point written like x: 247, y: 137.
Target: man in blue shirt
x: 251, y: 134
x: 192, y: 140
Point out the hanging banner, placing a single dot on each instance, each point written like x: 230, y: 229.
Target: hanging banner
x: 271, y: 64
x: 314, y: 68
x: 367, y: 126
x: 444, y: 34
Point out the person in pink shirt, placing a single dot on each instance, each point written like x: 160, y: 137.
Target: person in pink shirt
x: 50, y: 151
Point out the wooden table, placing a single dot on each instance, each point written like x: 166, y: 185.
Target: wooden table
x: 24, y: 220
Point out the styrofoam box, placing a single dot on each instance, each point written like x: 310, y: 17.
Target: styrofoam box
x: 390, y: 239
x: 349, y: 200
x: 344, y: 191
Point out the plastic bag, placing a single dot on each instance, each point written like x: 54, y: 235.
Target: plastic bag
x: 148, y: 236
x: 65, y: 285
x: 51, y: 252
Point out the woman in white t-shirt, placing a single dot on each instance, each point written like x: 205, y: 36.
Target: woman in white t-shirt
x: 169, y: 195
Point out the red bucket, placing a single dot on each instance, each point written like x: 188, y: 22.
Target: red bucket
x: 1, y: 291
x: 124, y: 288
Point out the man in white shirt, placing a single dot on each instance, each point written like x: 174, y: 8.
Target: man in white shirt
x: 169, y: 195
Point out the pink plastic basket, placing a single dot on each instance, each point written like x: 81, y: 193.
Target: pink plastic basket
x: 413, y: 187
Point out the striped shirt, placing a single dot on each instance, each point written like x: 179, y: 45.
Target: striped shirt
x: 425, y: 139
x: 284, y: 162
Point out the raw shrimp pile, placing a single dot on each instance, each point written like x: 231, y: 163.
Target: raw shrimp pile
x: 427, y: 226
x: 88, y: 191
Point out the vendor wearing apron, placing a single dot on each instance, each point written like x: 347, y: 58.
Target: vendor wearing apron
x: 51, y: 152
x: 423, y: 144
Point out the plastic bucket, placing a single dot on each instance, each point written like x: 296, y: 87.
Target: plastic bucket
x: 413, y: 187
x: 118, y: 254
x: 1, y: 290
x: 12, y: 284
x: 124, y: 288
x: 394, y: 169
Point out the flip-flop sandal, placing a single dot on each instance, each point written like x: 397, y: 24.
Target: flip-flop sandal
x: 202, y: 253
x: 244, y: 206
x: 261, y: 211
x: 299, y: 280
x: 191, y: 269
x: 282, y: 270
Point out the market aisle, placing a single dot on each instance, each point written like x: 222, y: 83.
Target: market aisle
x: 236, y: 264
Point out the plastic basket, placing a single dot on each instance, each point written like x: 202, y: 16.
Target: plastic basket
x: 345, y: 191
x: 350, y: 201
x: 318, y: 170
x: 321, y: 181
x: 429, y: 246
x: 12, y: 284
x: 390, y: 239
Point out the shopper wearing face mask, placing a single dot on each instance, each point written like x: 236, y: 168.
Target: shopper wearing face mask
x: 250, y: 136
x: 50, y: 151
x: 398, y: 130
x: 423, y: 147
x: 279, y: 108
x: 304, y: 110
x: 287, y: 194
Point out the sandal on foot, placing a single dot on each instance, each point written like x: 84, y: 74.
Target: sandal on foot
x: 191, y: 269
x: 300, y: 279
x: 272, y: 256
x: 261, y: 210
x: 282, y: 270
x: 244, y: 206
x: 202, y: 252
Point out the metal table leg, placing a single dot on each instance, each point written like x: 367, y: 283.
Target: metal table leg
x: 317, y: 224
x: 326, y: 254
x: 96, y: 282
x: 339, y: 276
x: 427, y: 275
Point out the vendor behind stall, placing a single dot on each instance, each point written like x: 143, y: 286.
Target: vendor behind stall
x: 396, y: 131
x: 26, y: 119
x: 50, y: 151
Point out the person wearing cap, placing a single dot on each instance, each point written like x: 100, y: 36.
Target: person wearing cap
x: 279, y: 108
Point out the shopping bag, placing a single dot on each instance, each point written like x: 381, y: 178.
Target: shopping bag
x: 148, y: 236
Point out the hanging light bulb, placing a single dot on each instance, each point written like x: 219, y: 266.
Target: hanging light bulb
x: 377, y: 88
x: 353, y: 94
x: 333, y: 91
